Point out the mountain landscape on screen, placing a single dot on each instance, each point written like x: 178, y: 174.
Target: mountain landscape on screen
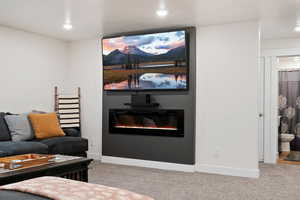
x: 118, y: 57
x: 145, y: 62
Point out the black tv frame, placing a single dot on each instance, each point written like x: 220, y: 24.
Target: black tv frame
x: 152, y: 31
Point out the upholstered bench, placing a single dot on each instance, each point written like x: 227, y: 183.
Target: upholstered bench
x: 55, y: 188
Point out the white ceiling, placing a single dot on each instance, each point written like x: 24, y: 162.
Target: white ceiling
x: 91, y: 18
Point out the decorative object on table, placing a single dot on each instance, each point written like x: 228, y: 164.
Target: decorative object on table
x: 45, y: 125
x: 25, y: 161
x: 67, y: 107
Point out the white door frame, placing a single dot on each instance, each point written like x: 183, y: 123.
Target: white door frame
x: 270, y: 132
x: 261, y: 93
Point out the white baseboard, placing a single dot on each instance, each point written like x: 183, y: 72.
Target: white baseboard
x: 212, y: 169
x: 95, y: 156
x: 230, y: 171
x: 148, y: 164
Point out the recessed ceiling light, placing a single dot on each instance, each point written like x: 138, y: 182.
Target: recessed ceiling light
x: 67, y: 26
x: 162, y: 12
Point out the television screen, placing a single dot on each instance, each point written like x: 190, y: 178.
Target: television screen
x: 156, y: 61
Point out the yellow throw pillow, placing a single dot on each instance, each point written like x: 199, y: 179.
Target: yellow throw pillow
x: 45, y: 125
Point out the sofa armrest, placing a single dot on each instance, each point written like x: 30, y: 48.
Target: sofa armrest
x: 73, y: 132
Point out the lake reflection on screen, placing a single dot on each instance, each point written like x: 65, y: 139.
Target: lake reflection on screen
x: 150, y: 81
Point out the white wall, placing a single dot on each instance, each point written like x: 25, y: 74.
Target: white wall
x: 227, y: 56
x: 31, y: 65
x: 227, y: 71
x: 85, y: 71
x: 285, y: 43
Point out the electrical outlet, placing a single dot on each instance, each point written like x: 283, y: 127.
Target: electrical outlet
x: 91, y: 143
x: 217, y: 153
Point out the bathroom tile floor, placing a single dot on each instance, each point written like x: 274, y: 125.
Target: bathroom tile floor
x: 283, y: 155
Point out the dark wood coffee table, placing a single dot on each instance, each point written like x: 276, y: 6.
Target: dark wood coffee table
x: 75, y: 168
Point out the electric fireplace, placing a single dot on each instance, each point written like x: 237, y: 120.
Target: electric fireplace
x: 147, y: 122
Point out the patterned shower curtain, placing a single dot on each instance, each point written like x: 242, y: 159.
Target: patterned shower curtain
x: 289, y: 105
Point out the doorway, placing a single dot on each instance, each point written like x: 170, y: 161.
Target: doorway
x: 289, y: 109
x: 279, y: 111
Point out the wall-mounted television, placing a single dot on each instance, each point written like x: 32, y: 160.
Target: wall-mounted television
x: 149, y: 61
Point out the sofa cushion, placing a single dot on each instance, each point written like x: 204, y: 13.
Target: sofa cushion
x: 4, y: 131
x: 14, y: 148
x: 45, y: 125
x: 66, y: 145
x: 20, y: 127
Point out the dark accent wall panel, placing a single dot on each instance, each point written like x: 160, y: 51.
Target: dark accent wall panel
x: 156, y: 148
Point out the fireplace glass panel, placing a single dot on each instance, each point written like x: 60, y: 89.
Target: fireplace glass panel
x: 158, y: 122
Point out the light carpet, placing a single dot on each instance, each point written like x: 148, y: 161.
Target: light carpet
x: 275, y: 182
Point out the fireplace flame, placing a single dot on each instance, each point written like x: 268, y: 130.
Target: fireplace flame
x: 147, y: 127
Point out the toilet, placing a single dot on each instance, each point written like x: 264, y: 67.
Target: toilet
x: 285, y: 140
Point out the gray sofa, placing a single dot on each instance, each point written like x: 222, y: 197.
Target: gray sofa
x: 71, y: 144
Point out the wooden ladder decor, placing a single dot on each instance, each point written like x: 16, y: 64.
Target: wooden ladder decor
x: 67, y: 108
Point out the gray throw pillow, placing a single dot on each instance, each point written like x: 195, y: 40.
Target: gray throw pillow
x: 19, y: 127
